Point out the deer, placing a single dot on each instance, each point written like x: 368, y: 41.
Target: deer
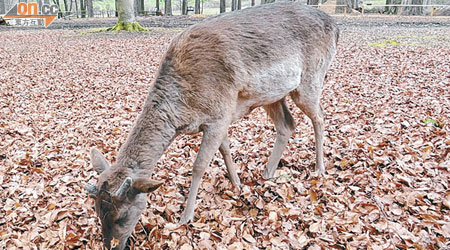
x: 212, y: 74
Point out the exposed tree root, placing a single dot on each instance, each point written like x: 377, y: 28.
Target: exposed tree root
x: 130, y: 27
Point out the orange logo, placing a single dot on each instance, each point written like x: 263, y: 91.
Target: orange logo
x: 27, y: 11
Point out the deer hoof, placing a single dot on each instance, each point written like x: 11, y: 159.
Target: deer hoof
x: 237, y: 184
x: 186, y: 218
x: 268, y: 174
x: 318, y: 172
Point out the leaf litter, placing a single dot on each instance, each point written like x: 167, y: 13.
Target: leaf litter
x: 387, y: 148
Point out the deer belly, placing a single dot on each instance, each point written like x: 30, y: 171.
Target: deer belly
x: 271, y: 83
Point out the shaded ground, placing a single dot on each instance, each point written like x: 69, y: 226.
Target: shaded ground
x: 387, y: 106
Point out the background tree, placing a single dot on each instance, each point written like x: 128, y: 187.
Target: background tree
x: 412, y: 10
x: 82, y: 8
x: 39, y: 2
x: 267, y: 1
x: 59, y: 7
x: 252, y: 3
x: 137, y: 7
x: 141, y: 7
x: 184, y: 5
x: 392, y: 10
x: 342, y: 9
x: 66, y: 7
x: 90, y: 8
x: 8, y: 4
x: 2, y: 7
x: 115, y: 6
x: 76, y: 7
x: 127, y: 18
x: 312, y: 2
x: 197, y: 7
x: 222, y: 6
x: 168, y: 8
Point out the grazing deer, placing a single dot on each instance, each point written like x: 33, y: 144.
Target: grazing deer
x: 214, y: 73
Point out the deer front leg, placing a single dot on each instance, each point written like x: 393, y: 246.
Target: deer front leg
x: 209, y: 146
x: 226, y: 153
x: 285, y: 126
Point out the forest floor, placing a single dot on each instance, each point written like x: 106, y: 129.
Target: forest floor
x: 387, y: 104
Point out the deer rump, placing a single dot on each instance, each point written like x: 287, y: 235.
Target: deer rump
x: 253, y: 57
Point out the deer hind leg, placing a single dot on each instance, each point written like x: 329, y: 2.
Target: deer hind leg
x: 285, y: 126
x: 226, y: 153
x: 210, y: 144
x: 307, y: 98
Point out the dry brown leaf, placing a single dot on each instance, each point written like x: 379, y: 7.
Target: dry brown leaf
x: 313, y: 196
x: 186, y: 247
x: 248, y: 237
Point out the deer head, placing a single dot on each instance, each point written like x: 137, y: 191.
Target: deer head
x: 119, y: 200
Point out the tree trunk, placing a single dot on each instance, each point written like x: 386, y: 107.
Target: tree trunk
x: 141, y: 9
x: 184, y: 6
x: 127, y: 18
x: 411, y: 10
x: 39, y: 2
x: 90, y: 8
x: 168, y: 8
x: 66, y: 8
x: 157, y: 7
x: 392, y: 10
x: 126, y: 11
x: 253, y: 3
x: 76, y: 7
x: 239, y: 4
x: 115, y: 6
x: 343, y: 9
x: 2, y: 7
x: 197, y: 7
x: 83, y: 8
x: 222, y: 6
x: 233, y: 5
x: 267, y: 1
x: 313, y: 2
x: 59, y: 7
x: 355, y: 4
x: 136, y: 8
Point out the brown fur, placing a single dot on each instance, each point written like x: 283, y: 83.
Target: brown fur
x: 212, y: 74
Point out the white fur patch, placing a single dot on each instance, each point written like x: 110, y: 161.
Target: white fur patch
x: 273, y: 82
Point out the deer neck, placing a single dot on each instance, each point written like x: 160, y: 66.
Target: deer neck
x: 152, y: 133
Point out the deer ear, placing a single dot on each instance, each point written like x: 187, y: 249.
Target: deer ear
x: 98, y: 161
x: 144, y: 185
